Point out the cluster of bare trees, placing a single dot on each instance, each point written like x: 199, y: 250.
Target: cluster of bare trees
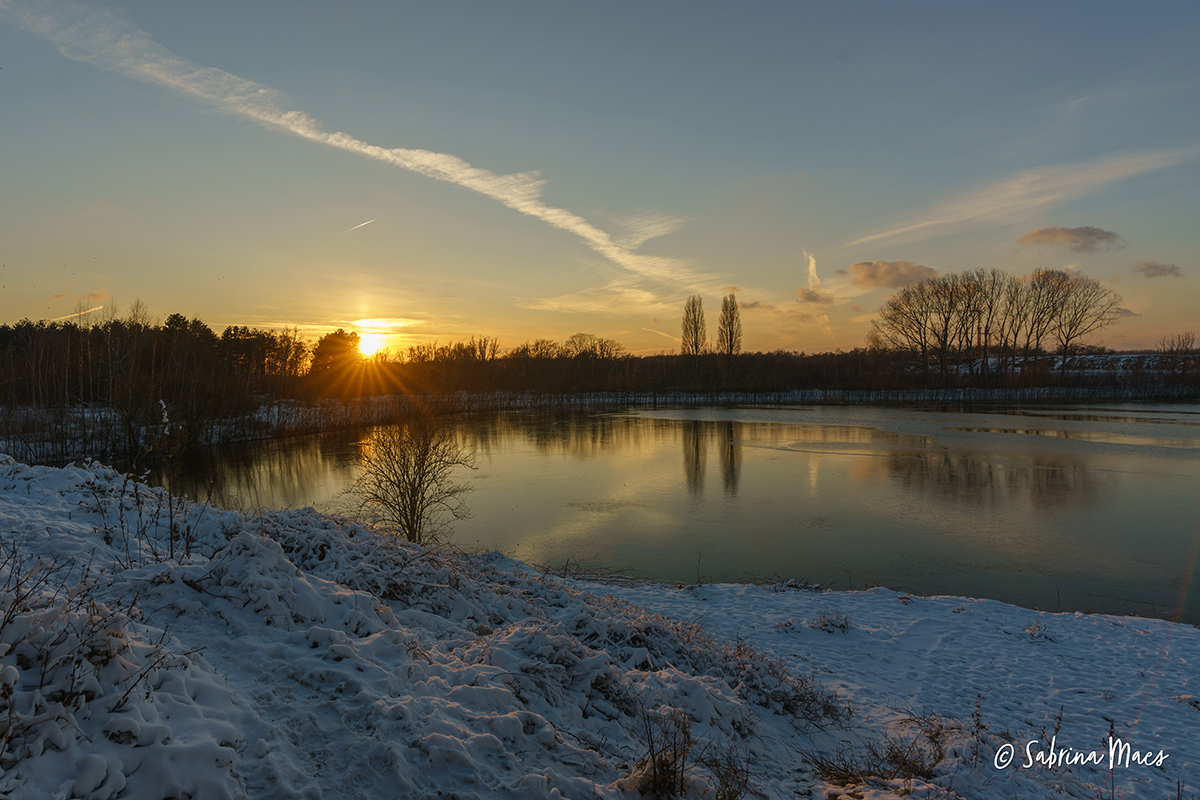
x: 1180, y: 354
x: 584, y: 362
x: 990, y: 324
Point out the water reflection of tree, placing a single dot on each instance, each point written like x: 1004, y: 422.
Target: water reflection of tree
x: 579, y: 434
x: 270, y: 474
x: 586, y: 435
x: 731, y: 456
x: 696, y: 434
x: 695, y: 454
x: 971, y: 479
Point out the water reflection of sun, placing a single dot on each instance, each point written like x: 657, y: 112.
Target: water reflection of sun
x: 370, y: 343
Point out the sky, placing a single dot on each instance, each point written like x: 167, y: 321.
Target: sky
x: 429, y: 172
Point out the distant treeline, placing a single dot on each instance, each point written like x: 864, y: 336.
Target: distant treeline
x: 133, y: 367
x: 125, y: 373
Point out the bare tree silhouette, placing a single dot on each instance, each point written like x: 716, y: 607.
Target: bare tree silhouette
x: 407, y: 483
x: 695, y: 340
x: 729, y: 328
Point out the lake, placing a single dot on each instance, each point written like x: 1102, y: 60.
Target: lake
x: 1070, y: 508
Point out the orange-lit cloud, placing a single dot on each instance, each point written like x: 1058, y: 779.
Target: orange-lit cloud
x: 813, y: 296
x: 1084, y: 239
x: 892, y: 274
x: 1153, y: 269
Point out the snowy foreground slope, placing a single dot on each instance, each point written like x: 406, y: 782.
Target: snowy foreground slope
x: 292, y: 654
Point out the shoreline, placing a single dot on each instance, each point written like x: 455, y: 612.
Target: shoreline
x: 293, y: 653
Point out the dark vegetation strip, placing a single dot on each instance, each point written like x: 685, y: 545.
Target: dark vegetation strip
x: 113, y: 386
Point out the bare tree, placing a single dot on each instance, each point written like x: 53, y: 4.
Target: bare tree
x: 1085, y: 307
x: 945, y: 305
x: 729, y: 329
x: 695, y: 340
x: 905, y: 323
x: 407, y: 483
x: 1048, y: 291
x: 1180, y: 351
x: 589, y: 345
x: 989, y: 312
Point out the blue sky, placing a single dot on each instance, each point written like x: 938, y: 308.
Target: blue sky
x: 538, y: 169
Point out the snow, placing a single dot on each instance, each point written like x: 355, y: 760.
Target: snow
x: 297, y: 655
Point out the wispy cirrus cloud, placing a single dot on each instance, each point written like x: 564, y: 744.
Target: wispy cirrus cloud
x: 108, y: 41
x: 641, y: 228
x: 1084, y: 239
x: 618, y: 296
x: 1023, y: 196
x: 1149, y: 268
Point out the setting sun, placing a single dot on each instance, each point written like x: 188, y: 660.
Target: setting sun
x: 370, y: 343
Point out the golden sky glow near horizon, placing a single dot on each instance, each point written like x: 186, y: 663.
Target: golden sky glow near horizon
x: 371, y: 343
x: 532, y: 171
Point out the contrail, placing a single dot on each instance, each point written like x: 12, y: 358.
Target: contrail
x: 76, y: 314
x: 663, y: 333
x: 108, y: 41
x: 356, y: 227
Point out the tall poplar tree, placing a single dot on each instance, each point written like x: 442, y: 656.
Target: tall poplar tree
x: 729, y: 328
x: 694, y: 337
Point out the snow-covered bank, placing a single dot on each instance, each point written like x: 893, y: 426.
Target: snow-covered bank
x: 291, y: 654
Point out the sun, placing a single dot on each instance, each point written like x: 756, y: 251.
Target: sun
x: 370, y: 343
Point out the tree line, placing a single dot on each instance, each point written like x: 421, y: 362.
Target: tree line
x: 133, y: 365
x: 979, y: 328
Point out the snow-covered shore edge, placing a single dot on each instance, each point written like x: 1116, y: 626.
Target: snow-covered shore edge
x: 155, y: 648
